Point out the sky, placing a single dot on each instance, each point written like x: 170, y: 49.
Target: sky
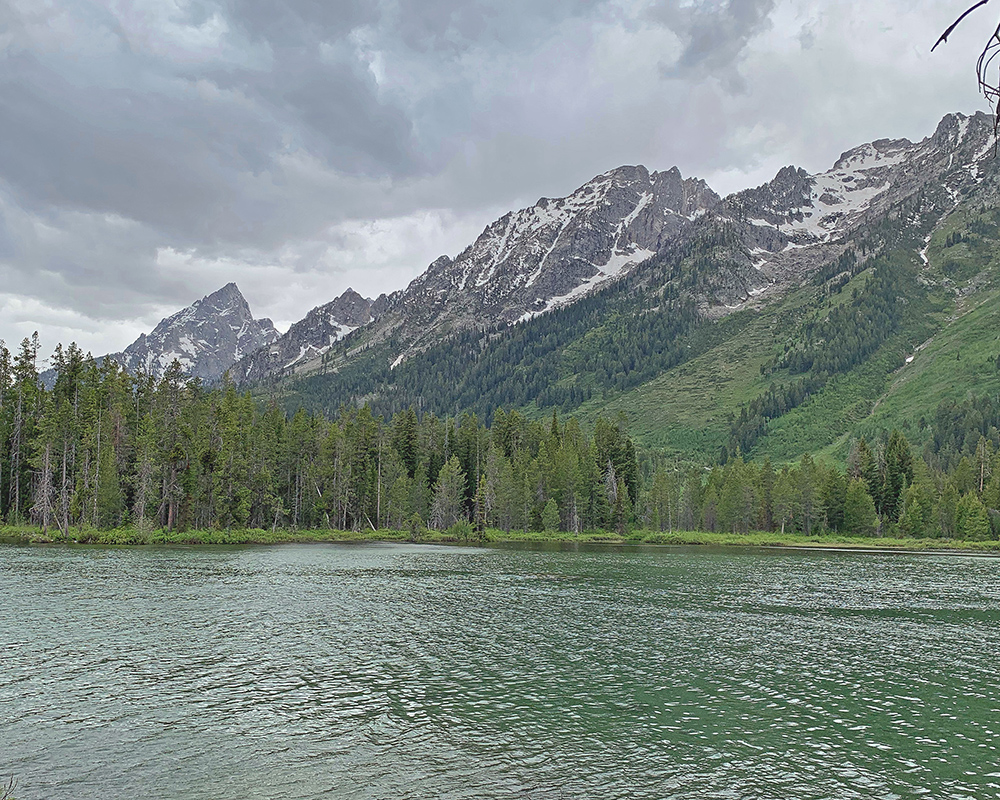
x: 151, y: 151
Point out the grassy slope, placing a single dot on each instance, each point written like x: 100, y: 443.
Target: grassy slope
x: 825, y: 425
x: 960, y: 357
x: 684, y: 411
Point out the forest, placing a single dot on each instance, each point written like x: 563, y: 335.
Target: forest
x: 102, y: 449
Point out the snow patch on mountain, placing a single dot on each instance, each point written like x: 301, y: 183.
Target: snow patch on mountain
x: 844, y: 192
x: 616, y: 265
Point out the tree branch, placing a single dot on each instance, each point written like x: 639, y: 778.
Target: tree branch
x: 947, y: 33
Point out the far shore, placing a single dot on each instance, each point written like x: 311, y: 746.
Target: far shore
x: 161, y: 537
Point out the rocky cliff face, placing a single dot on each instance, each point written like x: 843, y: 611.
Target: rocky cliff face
x: 555, y: 252
x: 206, y: 338
x: 309, y: 339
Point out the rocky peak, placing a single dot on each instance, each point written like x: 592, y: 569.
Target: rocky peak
x: 309, y: 339
x: 685, y: 196
x: 206, y: 338
x: 776, y: 202
x: 880, y: 153
x: 350, y: 309
x: 523, y: 264
x: 954, y: 129
x: 798, y: 220
x: 561, y: 249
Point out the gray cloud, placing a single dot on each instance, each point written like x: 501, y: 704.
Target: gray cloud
x: 715, y: 34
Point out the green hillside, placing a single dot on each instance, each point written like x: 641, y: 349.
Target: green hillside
x: 949, y: 328
x: 960, y: 357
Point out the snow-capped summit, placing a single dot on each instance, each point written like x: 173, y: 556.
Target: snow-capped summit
x: 557, y: 251
x: 527, y: 262
x: 623, y: 225
x: 206, y: 338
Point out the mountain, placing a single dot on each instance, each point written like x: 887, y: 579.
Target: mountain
x: 527, y: 262
x: 310, y: 338
x: 558, y: 251
x: 797, y: 211
x: 549, y: 255
x: 206, y: 338
x: 775, y: 321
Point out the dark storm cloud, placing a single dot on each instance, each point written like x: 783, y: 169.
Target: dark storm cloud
x: 193, y: 144
x: 158, y: 154
x: 171, y: 143
x: 317, y: 85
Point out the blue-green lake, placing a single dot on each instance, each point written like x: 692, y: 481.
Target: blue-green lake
x: 398, y: 671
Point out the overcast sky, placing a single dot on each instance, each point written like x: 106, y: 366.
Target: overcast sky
x: 153, y: 150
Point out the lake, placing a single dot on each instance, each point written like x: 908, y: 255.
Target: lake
x: 408, y: 671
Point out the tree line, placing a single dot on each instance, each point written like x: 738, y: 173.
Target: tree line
x: 105, y: 449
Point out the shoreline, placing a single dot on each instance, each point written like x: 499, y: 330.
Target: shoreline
x: 131, y: 537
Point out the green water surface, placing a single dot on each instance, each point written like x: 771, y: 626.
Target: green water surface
x: 399, y: 671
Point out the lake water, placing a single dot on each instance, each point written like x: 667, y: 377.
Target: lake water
x: 384, y: 671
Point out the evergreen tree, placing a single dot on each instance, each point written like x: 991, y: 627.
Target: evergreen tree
x: 449, y: 496
x: 860, y: 518
x: 971, y: 520
x: 550, y: 517
x: 947, y: 508
x: 917, y: 519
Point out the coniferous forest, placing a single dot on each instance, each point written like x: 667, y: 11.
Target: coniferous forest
x: 103, y: 450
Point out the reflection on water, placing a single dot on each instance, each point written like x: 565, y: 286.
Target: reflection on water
x: 378, y: 671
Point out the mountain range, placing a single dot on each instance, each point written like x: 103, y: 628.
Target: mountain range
x: 645, y: 291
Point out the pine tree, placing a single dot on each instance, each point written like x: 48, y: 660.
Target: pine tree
x: 449, y: 496
x: 947, y: 508
x: 971, y: 520
x: 550, y: 516
x: 916, y: 519
x: 860, y: 518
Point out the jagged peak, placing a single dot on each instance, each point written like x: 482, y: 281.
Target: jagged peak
x: 949, y: 122
x: 791, y: 172
x: 442, y: 262
x: 953, y: 129
x: 627, y: 171
x: 227, y: 292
